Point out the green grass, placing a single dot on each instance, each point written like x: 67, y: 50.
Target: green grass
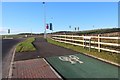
x: 26, y: 46
x: 103, y: 54
x: 0, y: 36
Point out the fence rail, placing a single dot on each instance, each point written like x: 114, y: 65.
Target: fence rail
x: 86, y: 41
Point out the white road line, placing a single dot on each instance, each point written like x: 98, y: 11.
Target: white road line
x: 11, y: 64
x: 53, y: 70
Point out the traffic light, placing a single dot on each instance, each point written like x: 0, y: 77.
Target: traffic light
x: 51, y: 26
x: 47, y: 26
x: 78, y: 28
x: 9, y: 31
x: 75, y: 28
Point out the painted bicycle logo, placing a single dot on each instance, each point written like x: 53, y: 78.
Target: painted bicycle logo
x: 71, y: 58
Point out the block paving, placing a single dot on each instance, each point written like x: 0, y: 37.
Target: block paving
x: 33, y: 68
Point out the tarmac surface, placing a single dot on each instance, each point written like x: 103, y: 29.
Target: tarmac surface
x: 44, y: 49
x: 8, y: 46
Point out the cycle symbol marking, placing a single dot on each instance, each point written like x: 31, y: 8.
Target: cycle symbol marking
x: 71, y: 58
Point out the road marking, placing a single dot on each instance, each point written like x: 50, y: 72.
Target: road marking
x: 7, y: 38
x: 53, y: 70
x: 71, y: 58
x: 11, y: 64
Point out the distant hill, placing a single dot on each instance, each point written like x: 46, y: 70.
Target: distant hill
x: 88, y: 32
x: 28, y: 34
x: 99, y: 31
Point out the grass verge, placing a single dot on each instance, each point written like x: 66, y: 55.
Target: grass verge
x: 26, y: 46
x: 113, y: 57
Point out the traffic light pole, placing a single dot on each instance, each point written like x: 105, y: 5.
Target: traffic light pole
x: 44, y: 20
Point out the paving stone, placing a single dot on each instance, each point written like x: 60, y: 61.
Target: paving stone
x: 34, y: 68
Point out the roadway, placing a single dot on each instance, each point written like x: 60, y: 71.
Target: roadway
x: 8, y: 46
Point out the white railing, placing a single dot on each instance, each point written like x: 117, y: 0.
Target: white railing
x: 86, y: 41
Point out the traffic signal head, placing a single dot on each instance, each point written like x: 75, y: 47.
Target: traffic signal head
x: 51, y: 26
x: 47, y: 26
x: 8, y: 30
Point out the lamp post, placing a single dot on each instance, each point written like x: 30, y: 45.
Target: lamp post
x: 44, y: 20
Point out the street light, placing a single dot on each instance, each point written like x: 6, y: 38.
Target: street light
x: 44, y: 20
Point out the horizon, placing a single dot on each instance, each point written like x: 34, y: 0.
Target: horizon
x: 60, y: 31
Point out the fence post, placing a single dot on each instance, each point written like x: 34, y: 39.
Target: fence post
x: 65, y: 38
x: 98, y: 43
x: 89, y: 44
x: 60, y: 38
x: 83, y: 42
x: 72, y: 38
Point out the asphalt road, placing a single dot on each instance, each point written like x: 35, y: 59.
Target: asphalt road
x: 8, y: 46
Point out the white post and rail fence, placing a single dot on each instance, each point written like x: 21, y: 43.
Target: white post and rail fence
x: 109, y: 44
